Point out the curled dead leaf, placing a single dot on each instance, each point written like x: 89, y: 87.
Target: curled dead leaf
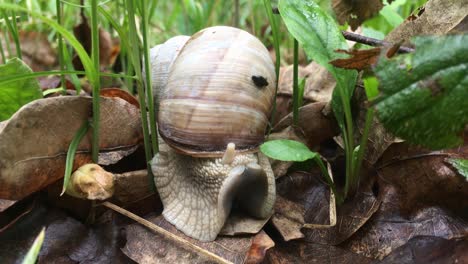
x: 144, y: 246
x: 35, y: 140
x: 438, y: 18
x: 355, y: 12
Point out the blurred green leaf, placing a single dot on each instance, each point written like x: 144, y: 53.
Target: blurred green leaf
x: 425, y: 95
x: 13, y: 95
x: 461, y: 165
x: 371, y: 86
x: 287, y: 150
x: 320, y: 36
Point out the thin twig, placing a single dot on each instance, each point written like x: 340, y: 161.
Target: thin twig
x: 373, y: 42
x: 178, y: 240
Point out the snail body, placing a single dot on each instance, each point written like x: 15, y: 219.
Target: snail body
x: 213, y: 112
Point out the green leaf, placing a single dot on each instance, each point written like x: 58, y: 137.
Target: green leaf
x: 320, y: 36
x: 425, y: 95
x: 371, y: 86
x: 13, y: 95
x: 461, y: 165
x: 71, y: 154
x: 33, y: 252
x: 287, y: 150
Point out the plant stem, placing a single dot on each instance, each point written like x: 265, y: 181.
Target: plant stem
x: 71, y: 154
x: 363, y: 144
x: 149, y: 89
x: 134, y: 57
x: 60, y: 45
x: 296, y: 84
x: 323, y: 169
x: 372, y: 41
x: 2, y: 52
x: 96, y: 85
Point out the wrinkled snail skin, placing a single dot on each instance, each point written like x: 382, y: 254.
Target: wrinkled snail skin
x: 213, y: 114
x: 197, y: 193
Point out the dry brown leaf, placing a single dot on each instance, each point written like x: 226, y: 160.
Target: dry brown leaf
x: 144, y: 246
x: 260, y: 244
x: 36, y: 50
x: 35, y: 140
x: 323, y: 127
x: 288, y: 218
x: 83, y: 34
x: 311, y: 192
x: 239, y: 223
x: 66, y: 240
x: 301, y: 252
x: 421, y: 196
x: 5, y: 204
x: 379, y: 139
x: 439, y: 17
x: 319, y: 86
x: 355, y: 11
x: 117, y: 92
x: 428, y: 249
x: 359, y: 60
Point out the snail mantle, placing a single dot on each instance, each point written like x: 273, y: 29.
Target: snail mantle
x: 214, y: 94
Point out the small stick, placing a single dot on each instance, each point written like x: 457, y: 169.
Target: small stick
x: 178, y: 240
x: 372, y: 41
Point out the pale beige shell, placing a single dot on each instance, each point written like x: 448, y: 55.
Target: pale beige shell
x: 162, y: 57
x: 220, y: 90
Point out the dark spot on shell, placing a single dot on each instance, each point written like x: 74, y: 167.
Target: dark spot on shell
x: 259, y: 81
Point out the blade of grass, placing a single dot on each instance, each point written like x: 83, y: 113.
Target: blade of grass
x: 323, y: 169
x: 71, y: 154
x: 74, y: 78
x: 149, y: 90
x: 58, y: 8
x: 16, y: 77
x: 33, y: 252
x: 97, y: 85
x: 296, y: 84
x: 14, y: 32
x: 276, y: 39
x: 133, y: 39
x: 2, y: 52
x: 363, y: 145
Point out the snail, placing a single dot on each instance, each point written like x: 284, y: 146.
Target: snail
x: 213, y: 111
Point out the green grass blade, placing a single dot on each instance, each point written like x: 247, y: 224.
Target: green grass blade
x: 71, y: 154
x: 14, y: 32
x: 276, y: 43
x: 33, y: 252
x: 296, y: 84
x: 60, y: 44
x: 149, y: 90
x: 16, y: 77
x: 97, y: 85
x: 134, y: 55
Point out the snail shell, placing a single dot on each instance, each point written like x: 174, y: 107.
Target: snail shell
x: 220, y: 89
x: 162, y: 57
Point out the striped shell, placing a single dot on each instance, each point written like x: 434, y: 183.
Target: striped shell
x: 220, y: 89
x: 162, y: 57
